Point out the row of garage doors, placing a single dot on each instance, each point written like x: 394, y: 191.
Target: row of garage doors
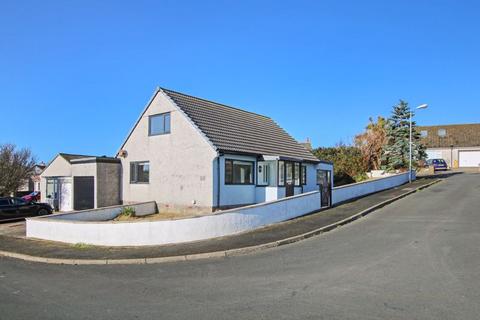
x: 466, y: 158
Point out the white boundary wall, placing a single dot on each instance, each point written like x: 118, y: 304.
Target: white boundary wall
x: 355, y: 190
x: 126, y: 233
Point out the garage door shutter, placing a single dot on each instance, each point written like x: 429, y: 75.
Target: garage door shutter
x: 83, y: 193
x: 469, y: 158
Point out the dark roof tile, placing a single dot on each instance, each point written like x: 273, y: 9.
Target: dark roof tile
x: 234, y: 130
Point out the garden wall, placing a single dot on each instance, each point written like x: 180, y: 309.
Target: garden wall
x: 91, y: 227
x: 360, y: 189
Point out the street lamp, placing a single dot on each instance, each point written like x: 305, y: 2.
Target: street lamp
x: 422, y: 106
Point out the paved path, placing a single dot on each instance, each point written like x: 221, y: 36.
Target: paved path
x: 417, y: 258
x: 270, y: 234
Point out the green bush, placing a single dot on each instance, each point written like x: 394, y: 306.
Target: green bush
x: 127, y: 212
x: 348, y: 164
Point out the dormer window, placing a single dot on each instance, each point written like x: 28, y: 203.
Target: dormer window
x: 159, y: 124
x: 424, y: 133
x: 442, y: 132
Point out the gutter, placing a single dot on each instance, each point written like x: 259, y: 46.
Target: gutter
x: 218, y: 182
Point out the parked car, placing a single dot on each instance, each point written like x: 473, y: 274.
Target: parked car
x: 12, y: 208
x: 32, y: 197
x: 437, y: 164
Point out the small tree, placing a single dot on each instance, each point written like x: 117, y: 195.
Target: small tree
x: 396, y: 150
x: 15, y: 168
x: 371, y: 143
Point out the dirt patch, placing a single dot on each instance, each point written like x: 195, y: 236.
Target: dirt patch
x: 156, y: 217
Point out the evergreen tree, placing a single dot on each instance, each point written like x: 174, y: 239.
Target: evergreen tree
x: 396, y: 150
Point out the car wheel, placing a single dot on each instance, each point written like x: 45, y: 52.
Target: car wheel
x: 42, y: 212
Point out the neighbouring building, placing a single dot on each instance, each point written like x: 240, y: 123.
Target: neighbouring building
x: 458, y: 144
x: 33, y: 183
x: 78, y: 182
x: 191, y: 156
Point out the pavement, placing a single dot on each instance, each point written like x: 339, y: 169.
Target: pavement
x: 416, y: 258
x: 14, y: 244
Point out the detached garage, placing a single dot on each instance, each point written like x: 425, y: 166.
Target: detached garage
x: 79, y: 182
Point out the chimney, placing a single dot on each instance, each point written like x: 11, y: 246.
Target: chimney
x: 307, y: 144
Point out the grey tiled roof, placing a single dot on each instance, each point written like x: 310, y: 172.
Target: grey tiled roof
x: 457, y: 135
x: 238, y: 131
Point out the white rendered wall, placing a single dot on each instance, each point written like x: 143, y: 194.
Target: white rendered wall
x: 181, y: 163
x: 172, y: 231
x: 58, y: 167
x: 355, y: 190
x: 199, y: 228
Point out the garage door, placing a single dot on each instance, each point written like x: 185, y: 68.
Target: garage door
x: 469, y: 158
x: 83, y: 193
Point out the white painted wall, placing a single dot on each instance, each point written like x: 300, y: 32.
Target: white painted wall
x: 199, y: 228
x: 355, y: 190
x: 173, y: 231
x: 181, y: 163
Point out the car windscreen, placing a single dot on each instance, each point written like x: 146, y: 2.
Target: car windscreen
x: 4, y: 202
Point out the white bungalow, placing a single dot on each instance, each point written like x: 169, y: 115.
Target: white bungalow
x: 192, y: 155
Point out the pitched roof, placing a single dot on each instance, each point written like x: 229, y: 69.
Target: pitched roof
x: 235, y: 130
x: 457, y: 135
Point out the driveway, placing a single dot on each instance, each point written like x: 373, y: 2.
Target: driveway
x: 13, y: 229
x: 417, y: 258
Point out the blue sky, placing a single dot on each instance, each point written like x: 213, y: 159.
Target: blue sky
x: 74, y: 75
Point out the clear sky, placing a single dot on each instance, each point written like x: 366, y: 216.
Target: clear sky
x: 74, y: 75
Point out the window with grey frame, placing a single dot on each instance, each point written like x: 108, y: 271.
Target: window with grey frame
x: 281, y: 173
x: 296, y: 174
x: 239, y: 172
x: 304, y: 175
x: 159, y: 124
x: 139, y: 172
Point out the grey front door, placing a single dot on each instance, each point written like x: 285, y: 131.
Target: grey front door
x: 324, y: 179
